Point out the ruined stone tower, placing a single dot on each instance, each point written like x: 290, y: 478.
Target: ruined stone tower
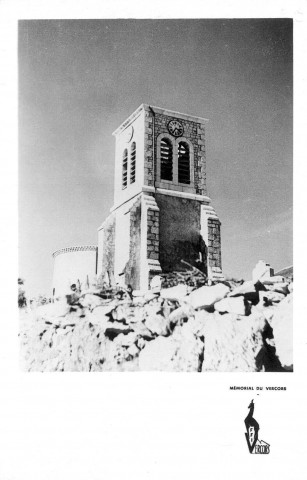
x: 161, y: 213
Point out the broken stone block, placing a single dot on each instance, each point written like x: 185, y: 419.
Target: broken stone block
x: 189, y: 354
x: 149, y: 296
x: 143, y: 331
x: 205, y: 297
x: 175, y: 293
x: 181, y: 352
x: 138, y: 293
x: 279, y: 287
x: 158, y: 325
x: 115, y: 328
x: 249, y: 290
x: 133, y: 350
x: 126, y: 340
x: 157, y: 355
x: 282, y: 324
x: 153, y: 307
x: 119, y: 313
x: 197, y: 323
x: 99, y: 317
x: 155, y: 284
x: 246, y: 287
x: 271, y: 296
x: 235, y: 305
x: 180, y: 314
x: 232, y: 343
x: 91, y: 300
x: 168, y: 306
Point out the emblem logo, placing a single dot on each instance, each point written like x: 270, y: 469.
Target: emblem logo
x: 252, y: 428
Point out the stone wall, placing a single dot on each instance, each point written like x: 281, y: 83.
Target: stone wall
x: 153, y: 234
x: 132, y: 271
x: 214, y: 243
x: 148, y: 149
x: 109, y: 247
x: 193, y: 131
x: 180, y: 237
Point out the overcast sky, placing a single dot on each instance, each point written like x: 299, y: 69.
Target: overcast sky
x: 78, y: 80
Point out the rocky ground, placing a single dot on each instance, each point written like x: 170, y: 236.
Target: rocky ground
x: 229, y: 326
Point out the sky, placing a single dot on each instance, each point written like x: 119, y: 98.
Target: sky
x: 79, y: 79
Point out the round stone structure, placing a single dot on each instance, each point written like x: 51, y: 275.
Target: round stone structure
x: 72, y: 265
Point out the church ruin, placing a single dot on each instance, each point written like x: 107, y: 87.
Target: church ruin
x: 161, y: 213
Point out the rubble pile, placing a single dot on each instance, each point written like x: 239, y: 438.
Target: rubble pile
x: 228, y: 326
x: 192, y: 279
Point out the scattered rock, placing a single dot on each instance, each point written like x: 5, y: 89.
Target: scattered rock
x: 143, y: 331
x: 158, y: 325
x: 168, y: 306
x: 175, y: 293
x: 279, y: 287
x: 235, y: 305
x: 206, y: 297
x: 133, y: 350
x: 155, y: 284
x: 126, y: 340
x: 271, y: 296
x: 232, y: 343
x: 158, y: 354
x: 208, y: 330
x: 246, y: 287
x: 115, y: 329
x: 180, y: 314
x: 282, y: 324
x: 259, y: 287
x: 150, y: 295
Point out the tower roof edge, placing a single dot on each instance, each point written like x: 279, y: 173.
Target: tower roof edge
x: 164, y: 111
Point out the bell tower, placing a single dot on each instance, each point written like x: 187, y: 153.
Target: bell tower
x: 161, y: 213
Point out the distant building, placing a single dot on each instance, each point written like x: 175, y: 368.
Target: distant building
x: 73, y: 264
x: 161, y: 213
x: 286, y: 272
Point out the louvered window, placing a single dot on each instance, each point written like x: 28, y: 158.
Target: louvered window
x: 125, y: 168
x: 183, y: 163
x: 132, y: 163
x: 166, y: 160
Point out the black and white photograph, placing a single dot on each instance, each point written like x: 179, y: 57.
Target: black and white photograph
x: 155, y: 195
x: 153, y: 181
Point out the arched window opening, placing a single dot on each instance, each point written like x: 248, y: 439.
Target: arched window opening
x: 125, y: 169
x: 132, y: 163
x: 166, y: 150
x: 183, y: 163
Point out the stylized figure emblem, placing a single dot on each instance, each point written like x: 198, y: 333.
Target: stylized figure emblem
x: 252, y: 428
